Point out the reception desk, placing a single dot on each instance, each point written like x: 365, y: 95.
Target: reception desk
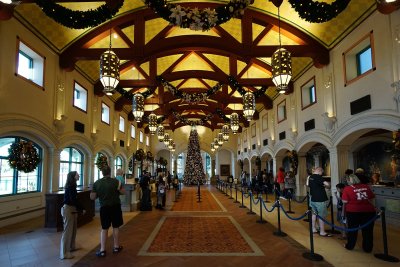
x: 388, y: 197
x: 54, y: 202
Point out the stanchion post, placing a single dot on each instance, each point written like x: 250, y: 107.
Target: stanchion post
x: 266, y: 196
x: 308, y: 207
x: 236, y: 201
x: 251, y: 204
x: 385, y: 256
x: 261, y: 218
x: 198, y: 192
x: 332, y: 231
x: 311, y: 255
x: 290, y: 203
x: 279, y: 232
x: 241, y: 190
x: 230, y: 189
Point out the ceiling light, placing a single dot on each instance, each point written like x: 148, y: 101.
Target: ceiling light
x: 234, y: 122
x: 249, y: 105
x: 166, y: 139
x: 109, y: 70
x: 220, y: 139
x: 225, y: 132
x: 138, y: 106
x: 160, y: 133
x: 152, y: 123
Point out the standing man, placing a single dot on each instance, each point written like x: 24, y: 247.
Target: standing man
x: 318, y: 199
x: 108, y: 189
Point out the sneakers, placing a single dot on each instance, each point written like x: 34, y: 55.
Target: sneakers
x: 117, y: 249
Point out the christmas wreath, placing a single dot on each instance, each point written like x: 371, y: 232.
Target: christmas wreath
x: 78, y: 19
x: 196, y: 19
x: 258, y: 161
x: 396, y: 140
x: 162, y: 161
x: 23, y: 156
x: 149, y: 156
x: 294, y: 160
x: 131, y: 164
x: 101, y: 161
x: 139, y: 155
x: 318, y: 12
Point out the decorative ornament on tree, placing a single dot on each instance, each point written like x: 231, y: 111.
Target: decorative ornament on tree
x: 101, y: 161
x: 23, y: 156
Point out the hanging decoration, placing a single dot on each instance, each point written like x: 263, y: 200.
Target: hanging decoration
x: 152, y: 123
x: 294, y: 160
x: 163, y: 162
x: 101, y: 161
x: 249, y: 105
x: 149, y: 156
x: 222, y: 115
x: 186, y: 121
x: 76, y: 19
x: 128, y: 94
x: 139, y: 155
x: 225, y: 132
x: 396, y: 140
x: 236, y: 86
x: 192, y: 98
x: 138, y: 106
x: 131, y: 164
x: 318, y: 12
x: 197, y: 19
x: 23, y: 156
x: 160, y: 133
x: 234, y: 122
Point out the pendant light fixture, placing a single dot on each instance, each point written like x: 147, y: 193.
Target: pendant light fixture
x: 212, y: 147
x: 138, y: 106
x: 225, y: 132
x: 170, y: 143
x: 234, y: 122
x: 249, y: 105
x: 220, y: 139
x: 160, y: 133
x: 152, y: 123
x: 166, y: 139
x: 109, y: 70
x: 281, y: 63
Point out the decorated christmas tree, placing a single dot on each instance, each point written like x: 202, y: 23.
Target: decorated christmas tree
x: 194, y: 171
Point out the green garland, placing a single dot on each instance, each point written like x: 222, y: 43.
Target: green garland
x: 294, y: 161
x: 78, y: 19
x: 318, y: 12
x: 196, y: 19
x: 23, y: 156
x: 101, y: 161
x: 139, y: 155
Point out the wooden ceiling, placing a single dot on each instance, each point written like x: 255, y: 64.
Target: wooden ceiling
x: 192, y: 61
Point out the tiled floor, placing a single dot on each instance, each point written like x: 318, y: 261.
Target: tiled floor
x: 29, y: 244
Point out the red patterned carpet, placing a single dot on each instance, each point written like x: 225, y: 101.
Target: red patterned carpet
x: 199, y: 235
x: 188, y: 201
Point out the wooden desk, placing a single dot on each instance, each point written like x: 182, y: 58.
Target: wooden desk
x: 54, y: 202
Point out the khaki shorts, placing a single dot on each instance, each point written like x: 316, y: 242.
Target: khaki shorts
x: 319, y: 208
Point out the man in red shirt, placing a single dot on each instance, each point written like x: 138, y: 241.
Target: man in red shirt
x: 357, y: 199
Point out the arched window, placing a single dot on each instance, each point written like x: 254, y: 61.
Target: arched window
x: 118, y: 164
x: 180, y: 165
x: 208, y: 165
x: 12, y: 181
x: 71, y: 159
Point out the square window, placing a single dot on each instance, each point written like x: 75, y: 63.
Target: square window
x: 121, y: 124
x: 80, y: 97
x: 105, y: 113
x: 281, y: 114
x: 30, y: 64
x: 141, y: 137
x: 133, y: 131
x: 147, y: 140
x: 308, y: 94
x: 359, y: 60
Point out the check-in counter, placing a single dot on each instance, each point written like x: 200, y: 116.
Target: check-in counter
x: 388, y: 197
x: 131, y: 200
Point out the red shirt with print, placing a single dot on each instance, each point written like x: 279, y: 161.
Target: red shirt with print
x: 280, y: 177
x: 357, y: 197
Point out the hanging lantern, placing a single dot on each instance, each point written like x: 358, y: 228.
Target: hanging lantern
x: 281, y: 63
x: 220, y: 139
x: 138, y: 106
x: 160, y: 133
x: 234, y: 122
x: 170, y: 143
x: 152, y: 123
x: 212, y: 147
x: 216, y: 145
x: 109, y: 71
x: 249, y: 105
x: 225, y: 132
x: 173, y: 147
x: 166, y: 139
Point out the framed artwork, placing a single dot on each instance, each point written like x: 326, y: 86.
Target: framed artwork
x: 265, y: 122
x: 253, y: 130
x: 225, y: 169
x: 245, y: 136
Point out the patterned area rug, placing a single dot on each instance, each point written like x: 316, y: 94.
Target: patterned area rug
x: 188, y: 201
x: 194, y: 235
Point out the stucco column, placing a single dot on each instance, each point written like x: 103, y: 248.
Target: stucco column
x: 317, y: 160
x: 277, y: 164
x: 53, y: 170
x: 212, y: 166
x: 339, y: 159
x: 89, y: 175
x: 301, y: 176
x: 235, y: 171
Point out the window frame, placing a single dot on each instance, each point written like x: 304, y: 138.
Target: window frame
x: 101, y: 113
x: 70, y: 162
x: 279, y: 120
x: 118, y: 163
x: 73, y: 96
x: 133, y: 133
x: 34, y: 60
x: 351, y: 55
x: 16, y: 174
x: 307, y: 87
x: 141, y: 136
x: 119, y: 124
x: 147, y: 140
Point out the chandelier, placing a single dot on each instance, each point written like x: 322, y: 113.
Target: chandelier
x: 173, y: 147
x: 234, y: 122
x: 225, y: 132
x: 166, y: 139
x: 138, y: 106
x: 281, y: 64
x: 152, y: 123
x: 212, y: 147
x: 220, y: 139
x: 109, y: 70
x: 216, y: 145
x: 249, y: 105
x: 160, y: 133
x: 170, y: 143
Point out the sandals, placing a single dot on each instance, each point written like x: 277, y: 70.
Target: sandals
x: 117, y: 249
x: 326, y: 235
x: 101, y: 254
